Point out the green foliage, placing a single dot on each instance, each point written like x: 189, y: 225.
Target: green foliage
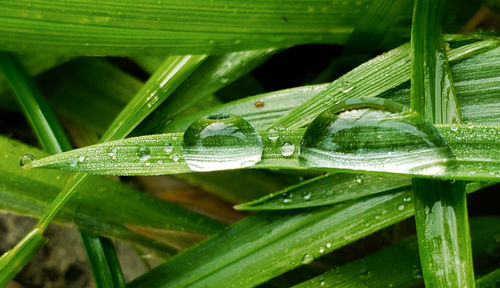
x: 408, y: 126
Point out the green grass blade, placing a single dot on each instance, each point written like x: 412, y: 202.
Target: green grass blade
x: 173, y: 27
x: 398, y: 265
x: 490, y: 280
x: 213, y: 74
x: 98, y: 262
x: 479, y: 158
x: 325, y: 190
x: 367, y: 80
x: 440, y: 206
x: 16, y: 258
x: 267, y: 244
x: 113, y: 263
x: 109, y: 210
x: 162, y: 83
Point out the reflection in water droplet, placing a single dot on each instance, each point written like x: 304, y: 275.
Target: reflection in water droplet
x: 221, y: 141
x: 308, y: 258
x: 345, y: 137
x: 144, y: 153
x: 72, y: 161
x: 287, y: 149
x: 26, y: 159
x: 168, y: 148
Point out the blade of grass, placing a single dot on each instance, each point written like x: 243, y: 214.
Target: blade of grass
x: 397, y: 265
x: 477, y: 146
x: 172, y: 27
x: 440, y: 207
x: 490, y: 280
x: 367, y: 80
x: 54, y: 140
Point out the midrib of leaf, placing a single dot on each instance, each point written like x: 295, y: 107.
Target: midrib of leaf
x: 440, y: 206
x: 54, y: 140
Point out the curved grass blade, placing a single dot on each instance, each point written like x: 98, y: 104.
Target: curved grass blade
x: 397, y: 265
x: 367, y: 80
x: 106, y: 210
x: 440, y: 206
x: 490, y: 280
x: 213, y: 74
x: 267, y: 244
x: 477, y: 146
x: 325, y: 190
x: 172, y: 27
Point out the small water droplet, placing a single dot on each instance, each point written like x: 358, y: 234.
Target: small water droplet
x: 112, y: 153
x: 287, y: 149
x: 322, y: 283
x: 168, y: 148
x: 26, y: 159
x: 81, y: 159
x: 259, y: 104
x: 286, y: 197
x: 346, y: 86
x: 221, y: 141
x: 407, y: 199
x: 306, y: 195
x: 224, y: 80
x: 417, y: 273
x: 72, y: 161
x: 321, y: 250
x: 307, y: 259
x: 454, y: 127
x: 175, y: 158
x: 328, y: 245
x: 401, y: 207
x: 273, y: 135
x: 359, y: 180
x: 144, y: 153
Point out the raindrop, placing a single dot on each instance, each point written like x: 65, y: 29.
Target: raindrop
x: 401, y: 207
x: 328, y: 245
x: 26, y: 159
x: 72, y: 161
x: 287, y: 149
x: 273, y: 135
x: 407, y: 199
x: 454, y: 127
x: 345, y: 137
x: 168, y: 148
x: 144, y: 153
x: 346, y: 86
x: 286, y: 197
x: 322, y: 283
x: 359, y: 180
x: 306, y: 195
x: 321, y: 250
x: 259, y: 104
x: 81, y: 159
x: 219, y: 142
x: 307, y: 259
x: 112, y: 153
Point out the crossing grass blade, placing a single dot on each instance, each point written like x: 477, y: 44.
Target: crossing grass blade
x: 399, y: 265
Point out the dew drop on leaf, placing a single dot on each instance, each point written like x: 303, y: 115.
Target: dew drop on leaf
x: 346, y: 86
x: 307, y: 259
x: 306, y: 195
x: 273, y: 135
x: 72, y: 161
x: 221, y: 141
x: 401, y: 207
x: 287, y: 149
x: 168, y: 148
x: 144, y: 153
x: 286, y: 197
x: 26, y: 159
x: 346, y: 137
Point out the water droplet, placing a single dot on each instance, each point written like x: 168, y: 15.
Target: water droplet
x: 175, y: 158
x: 328, y: 245
x: 321, y: 250
x: 359, y: 180
x: 219, y: 142
x: 273, y: 135
x: 407, y: 199
x: 112, y: 153
x: 322, y: 283
x: 287, y: 149
x: 81, y: 159
x: 454, y: 127
x: 259, y: 104
x: 417, y: 273
x: 346, y: 86
x: 306, y: 195
x: 401, y: 207
x: 344, y: 137
x: 144, y: 153
x: 72, y: 161
x: 307, y: 259
x: 168, y: 148
x: 224, y: 80
x: 286, y: 197
x: 26, y: 159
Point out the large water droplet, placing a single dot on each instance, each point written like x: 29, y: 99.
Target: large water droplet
x: 308, y: 258
x: 306, y: 195
x: 221, y: 141
x: 26, y: 159
x: 347, y: 137
x: 144, y: 153
x: 346, y: 86
x: 168, y: 148
x: 72, y: 161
